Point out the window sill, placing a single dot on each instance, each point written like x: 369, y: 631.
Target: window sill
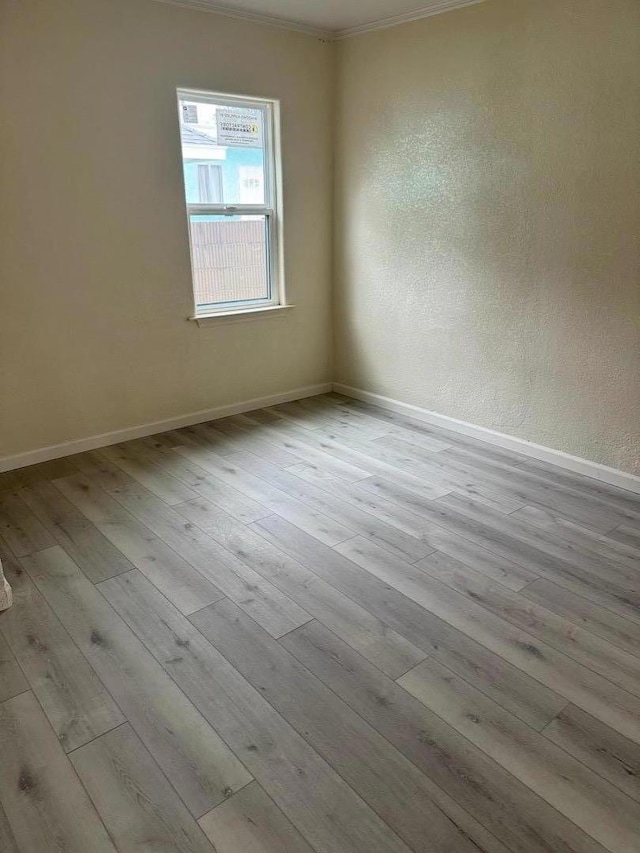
x: 224, y: 317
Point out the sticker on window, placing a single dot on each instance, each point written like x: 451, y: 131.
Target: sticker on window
x: 190, y: 114
x: 239, y: 128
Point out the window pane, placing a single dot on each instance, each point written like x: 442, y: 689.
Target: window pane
x: 230, y: 259
x: 209, y: 184
x: 230, y: 139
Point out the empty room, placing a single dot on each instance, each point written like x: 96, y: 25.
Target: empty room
x: 320, y: 426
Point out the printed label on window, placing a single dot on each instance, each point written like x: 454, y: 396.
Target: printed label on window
x: 190, y: 114
x: 239, y: 128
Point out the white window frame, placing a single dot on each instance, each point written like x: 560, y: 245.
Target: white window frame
x: 271, y: 209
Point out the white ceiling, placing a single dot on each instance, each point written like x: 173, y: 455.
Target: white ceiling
x: 328, y: 17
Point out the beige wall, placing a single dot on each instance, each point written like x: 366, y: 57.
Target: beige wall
x: 94, y: 260
x: 488, y: 220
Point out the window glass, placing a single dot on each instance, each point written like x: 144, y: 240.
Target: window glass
x: 229, y: 137
x: 230, y: 259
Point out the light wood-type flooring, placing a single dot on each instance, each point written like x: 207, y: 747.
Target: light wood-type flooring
x: 318, y: 627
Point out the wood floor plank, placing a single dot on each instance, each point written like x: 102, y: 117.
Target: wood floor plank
x: 296, y: 413
x: 196, y: 761
x: 577, y: 481
x: 290, y: 442
x: 418, y: 427
x: 267, y: 604
x: 493, y: 537
x: 593, y: 804
x: 482, y: 790
x: 578, y: 534
x: 250, y: 822
x: 599, y: 620
x: 377, y: 455
x: 307, y: 413
x: 81, y: 539
x: 627, y: 534
x: 387, y: 511
x: 72, y: 696
x: 316, y: 800
x: 368, y: 429
x: 164, y: 441
x: 323, y: 528
x: 263, y: 416
x: 329, y: 397
x: 246, y: 439
x: 532, y: 547
x: 103, y: 472
x: 22, y: 531
x: 362, y: 523
x: 481, y: 560
x: 20, y: 477
x: 175, y: 577
x: 318, y: 402
x: 455, y: 477
x: 382, y: 776
x: 330, y: 421
x: 306, y: 446
x: 346, y: 431
x: 231, y: 437
x: 381, y: 645
x: 207, y: 486
x: 585, y: 688
x: 547, y: 543
x: 10, y: 480
x: 529, y: 488
x: 284, y: 434
x: 584, y: 646
x: 590, y: 500
x: 8, y: 843
x: 623, y: 499
x: 12, y: 679
x: 133, y: 797
x: 487, y: 670
x: 334, y: 409
x: 209, y: 434
x: 338, y: 409
x: 47, y: 807
x: 390, y: 487
x: 433, y: 536
x: 420, y: 440
x: 608, y: 753
x: 158, y: 481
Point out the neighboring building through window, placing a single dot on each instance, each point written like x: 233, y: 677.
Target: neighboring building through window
x: 209, y: 184
x: 231, y: 177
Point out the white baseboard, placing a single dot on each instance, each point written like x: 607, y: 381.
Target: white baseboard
x: 603, y: 473
x: 80, y: 445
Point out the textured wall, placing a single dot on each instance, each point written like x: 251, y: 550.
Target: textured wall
x: 488, y: 220
x: 94, y: 259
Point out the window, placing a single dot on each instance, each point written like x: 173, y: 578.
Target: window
x: 231, y: 176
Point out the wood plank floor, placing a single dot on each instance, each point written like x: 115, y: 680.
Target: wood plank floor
x: 318, y: 628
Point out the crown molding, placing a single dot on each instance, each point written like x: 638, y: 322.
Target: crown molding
x: 253, y: 17
x: 434, y: 8
x: 437, y: 8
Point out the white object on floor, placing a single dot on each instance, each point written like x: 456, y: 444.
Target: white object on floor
x: 6, y: 596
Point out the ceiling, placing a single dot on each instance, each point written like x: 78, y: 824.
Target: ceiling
x: 331, y: 18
